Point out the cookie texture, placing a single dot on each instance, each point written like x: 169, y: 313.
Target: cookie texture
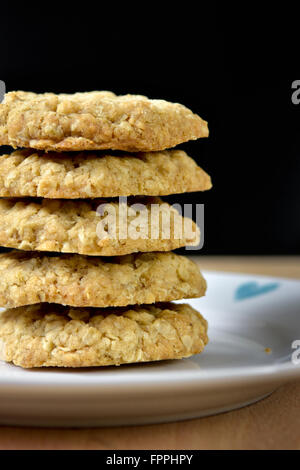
x: 95, y: 120
x: 76, y: 280
x: 94, y: 227
x: 92, y: 175
x: 52, y: 335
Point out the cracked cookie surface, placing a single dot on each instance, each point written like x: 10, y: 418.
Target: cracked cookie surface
x: 52, y: 335
x: 76, y: 280
x: 95, y: 227
x: 92, y: 175
x: 95, y: 120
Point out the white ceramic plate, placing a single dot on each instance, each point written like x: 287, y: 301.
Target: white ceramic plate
x: 246, y: 314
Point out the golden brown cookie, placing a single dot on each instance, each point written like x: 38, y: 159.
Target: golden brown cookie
x: 46, y: 335
x: 95, y: 120
x: 92, y: 175
x: 94, y: 227
x: 85, y: 281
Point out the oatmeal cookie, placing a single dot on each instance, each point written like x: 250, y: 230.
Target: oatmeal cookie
x: 52, y: 335
x: 94, y: 227
x: 95, y: 120
x: 92, y: 175
x: 91, y: 281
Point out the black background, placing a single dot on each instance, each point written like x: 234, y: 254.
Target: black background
x: 211, y: 61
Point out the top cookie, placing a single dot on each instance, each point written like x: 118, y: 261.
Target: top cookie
x: 95, y: 120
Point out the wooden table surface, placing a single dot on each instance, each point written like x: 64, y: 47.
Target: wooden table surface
x: 273, y: 423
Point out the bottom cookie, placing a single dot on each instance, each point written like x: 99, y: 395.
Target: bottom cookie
x: 46, y: 335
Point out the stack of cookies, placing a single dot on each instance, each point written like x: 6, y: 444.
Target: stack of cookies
x: 76, y: 292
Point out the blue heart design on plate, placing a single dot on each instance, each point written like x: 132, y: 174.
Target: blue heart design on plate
x: 252, y: 289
